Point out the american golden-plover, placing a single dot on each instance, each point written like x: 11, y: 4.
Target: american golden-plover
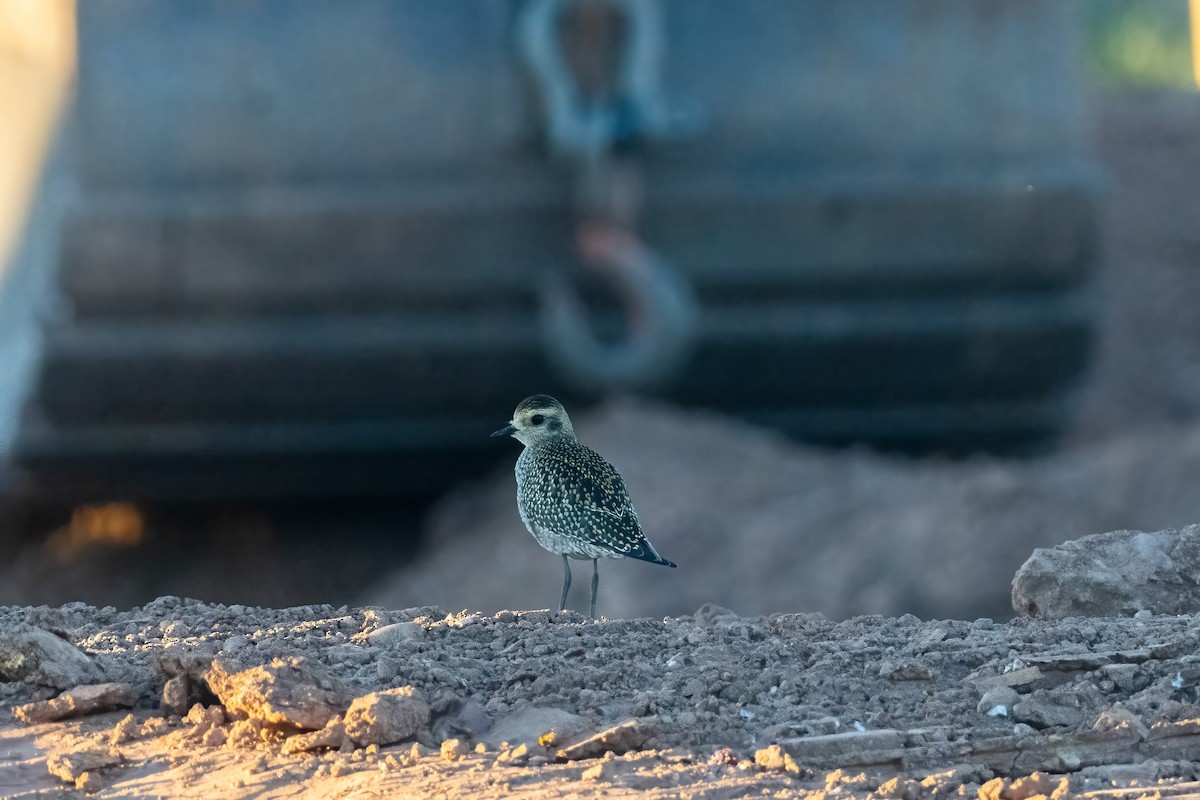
x: 572, y: 500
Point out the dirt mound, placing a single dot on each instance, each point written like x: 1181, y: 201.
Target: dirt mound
x: 712, y: 699
x: 758, y: 523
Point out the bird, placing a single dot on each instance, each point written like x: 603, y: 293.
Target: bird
x: 573, y: 501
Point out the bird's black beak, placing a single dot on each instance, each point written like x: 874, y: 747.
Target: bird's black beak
x: 507, y: 430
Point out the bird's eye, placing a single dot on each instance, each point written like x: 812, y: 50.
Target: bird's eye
x: 537, y: 419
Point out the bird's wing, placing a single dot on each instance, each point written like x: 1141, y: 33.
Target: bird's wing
x: 603, y: 491
x: 607, y: 510
x: 600, y: 488
x: 596, y: 508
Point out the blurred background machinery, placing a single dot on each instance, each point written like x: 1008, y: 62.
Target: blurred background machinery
x: 313, y: 250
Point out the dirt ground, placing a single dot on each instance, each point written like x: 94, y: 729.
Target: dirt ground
x: 888, y: 705
x: 892, y: 706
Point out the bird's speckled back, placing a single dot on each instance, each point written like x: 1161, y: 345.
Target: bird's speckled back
x: 575, y: 503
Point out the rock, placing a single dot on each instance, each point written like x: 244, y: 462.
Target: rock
x: 292, y: 692
x: 593, y: 773
x: 453, y: 749
x: 1119, y: 718
x: 392, y: 715
x: 1018, y: 677
x: 1126, y: 677
x: 618, y: 739
x: 723, y: 756
x: 203, y: 722
x: 529, y: 725
x: 774, y: 758
x: 78, y: 702
x: 850, y: 749
x: 74, y: 766
x: 992, y: 789
x: 331, y: 737
x: 899, y: 788
x: 1000, y: 696
x: 821, y: 726
x: 709, y: 613
x: 396, y: 632
x: 38, y: 656
x: 1039, y: 783
x: 459, y: 718
x: 89, y: 783
x: 1044, y: 709
x: 941, y: 784
x: 907, y: 671
x: 175, y: 695
x: 214, y: 737
x: 235, y: 643
x: 124, y: 731
x: 245, y: 734
x: 1130, y: 774
x: 839, y: 779
x: 515, y: 756
x: 1112, y: 574
x: 205, y: 717
x: 155, y: 726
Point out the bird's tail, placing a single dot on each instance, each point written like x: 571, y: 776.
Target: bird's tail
x: 646, y: 552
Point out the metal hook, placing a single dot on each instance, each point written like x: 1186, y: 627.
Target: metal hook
x: 659, y: 307
x: 576, y: 125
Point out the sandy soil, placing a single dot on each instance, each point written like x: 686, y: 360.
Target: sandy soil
x: 929, y: 706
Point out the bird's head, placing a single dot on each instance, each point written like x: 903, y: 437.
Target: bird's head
x: 538, y: 419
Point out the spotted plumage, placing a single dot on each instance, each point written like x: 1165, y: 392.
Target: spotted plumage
x: 572, y: 500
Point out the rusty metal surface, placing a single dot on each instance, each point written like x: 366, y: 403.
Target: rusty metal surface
x: 296, y: 230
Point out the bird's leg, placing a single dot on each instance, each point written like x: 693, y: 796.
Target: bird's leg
x: 562, y: 604
x: 595, y: 584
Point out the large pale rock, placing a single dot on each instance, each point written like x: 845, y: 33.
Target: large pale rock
x: 78, y: 702
x: 332, y: 736
x: 618, y: 739
x: 1112, y: 574
x: 529, y: 725
x: 850, y: 749
x: 290, y: 691
x: 1044, y: 709
x: 73, y: 767
x: 35, y: 655
x: 382, y: 718
x: 460, y: 719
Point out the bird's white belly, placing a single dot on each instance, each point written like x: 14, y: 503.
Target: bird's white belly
x: 560, y: 544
